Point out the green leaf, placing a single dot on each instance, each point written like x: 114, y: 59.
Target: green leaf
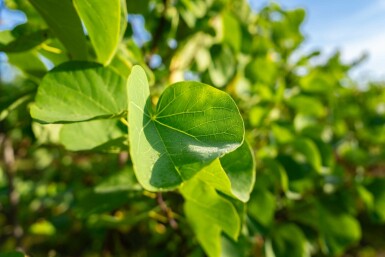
x: 317, y: 82
x: 113, y: 192
x: 79, y: 91
x: 233, y: 174
x: 239, y: 166
x: 123, y: 20
x: 103, y: 135
x: 138, y: 7
x: 119, y: 181
x: 230, y: 248
x: 262, y: 69
x: 4, y: 112
x: 28, y: 62
x: 190, y: 11
x: 90, y: 202
x: 310, y: 151
x: 26, y: 42
x: 282, y: 134
x: 287, y: 240
x: 261, y: 207
x: 46, y: 133
x: 276, y: 175
x: 102, y: 20
x: 209, y: 215
x: 12, y: 254
x: 55, y: 52
x: 192, y: 123
x: 337, y: 229
x: 15, y: 96
x: 222, y: 66
x: 231, y: 31
x: 42, y: 227
x: 307, y: 105
x: 377, y: 190
x: 64, y: 22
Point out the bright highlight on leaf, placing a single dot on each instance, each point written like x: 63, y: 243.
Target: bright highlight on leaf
x: 192, y: 123
x: 233, y: 174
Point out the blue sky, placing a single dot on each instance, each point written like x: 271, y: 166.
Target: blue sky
x: 354, y: 27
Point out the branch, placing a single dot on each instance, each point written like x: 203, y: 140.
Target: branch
x: 13, y: 195
x: 167, y: 211
x: 159, y: 30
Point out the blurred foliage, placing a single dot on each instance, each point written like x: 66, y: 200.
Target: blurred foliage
x: 318, y: 139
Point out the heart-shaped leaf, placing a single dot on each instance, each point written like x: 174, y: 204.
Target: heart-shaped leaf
x: 192, y: 123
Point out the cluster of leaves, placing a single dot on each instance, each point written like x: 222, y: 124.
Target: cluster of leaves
x: 104, y: 143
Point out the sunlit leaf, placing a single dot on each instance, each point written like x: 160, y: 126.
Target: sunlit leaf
x: 192, y: 123
x: 102, y: 20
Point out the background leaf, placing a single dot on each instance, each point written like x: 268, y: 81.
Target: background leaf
x: 12, y: 254
x: 287, y: 240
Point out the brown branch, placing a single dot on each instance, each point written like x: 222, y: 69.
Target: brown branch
x: 13, y: 196
x: 122, y: 159
x: 167, y: 211
x: 108, y: 244
x: 159, y: 30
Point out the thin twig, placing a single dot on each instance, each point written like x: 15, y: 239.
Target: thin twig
x: 167, y: 211
x: 160, y: 29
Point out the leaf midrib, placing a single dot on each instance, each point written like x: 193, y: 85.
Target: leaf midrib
x: 166, y: 151
x: 175, y: 129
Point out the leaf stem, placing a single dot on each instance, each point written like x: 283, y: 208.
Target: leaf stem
x: 51, y: 49
x: 124, y: 121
